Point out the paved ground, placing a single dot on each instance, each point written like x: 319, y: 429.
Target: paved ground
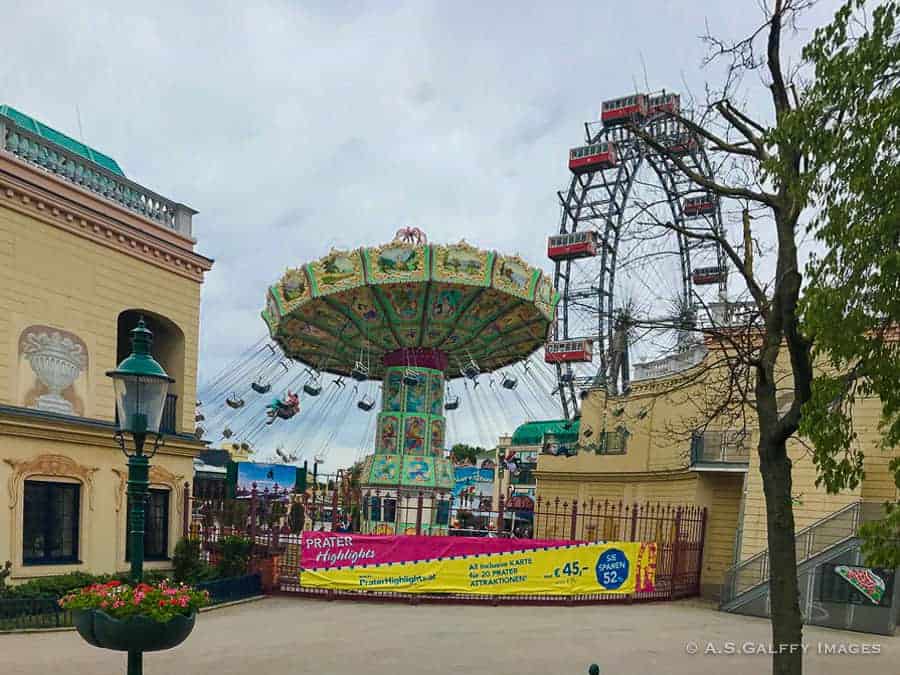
x: 290, y: 635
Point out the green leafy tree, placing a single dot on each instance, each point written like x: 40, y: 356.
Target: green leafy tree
x: 776, y: 169
x: 465, y: 453
x: 851, y: 119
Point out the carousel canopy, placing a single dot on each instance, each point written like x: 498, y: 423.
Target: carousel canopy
x: 408, y: 298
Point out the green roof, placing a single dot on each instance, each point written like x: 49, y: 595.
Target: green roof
x: 532, y: 433
x: 53, y: 136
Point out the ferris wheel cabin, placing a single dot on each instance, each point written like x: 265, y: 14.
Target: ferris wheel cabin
x: 703, y: 276
x: 573, y: 245
x: 593, y: 157
x: 568, y: 351
x: 625, y: 109
x: 702, y: 205
x: 668, y: 103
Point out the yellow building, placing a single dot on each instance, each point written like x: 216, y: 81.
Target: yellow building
x: 650, y: 446
x: 85, y: 252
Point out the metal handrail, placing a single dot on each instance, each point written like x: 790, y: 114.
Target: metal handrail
x: 805, y: 542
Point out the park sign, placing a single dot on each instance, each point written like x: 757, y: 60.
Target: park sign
x: 475, y: 565
x: 863, y: 580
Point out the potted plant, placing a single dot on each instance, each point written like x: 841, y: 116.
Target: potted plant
x: 139, y: 618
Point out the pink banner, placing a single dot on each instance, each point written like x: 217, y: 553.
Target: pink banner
x: 326, y: 549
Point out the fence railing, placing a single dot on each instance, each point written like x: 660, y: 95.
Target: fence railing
x: 276, y: 525
x: 29, y: 613
x: 720, y: 447
x: 232, y: 588
x: 809, y: 542
x: 75, y: 169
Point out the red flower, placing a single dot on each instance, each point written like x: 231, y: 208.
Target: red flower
x: 162, y: 603
x: 113, y: 584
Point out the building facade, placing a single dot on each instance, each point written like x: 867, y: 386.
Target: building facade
x: 84, y: 253
x: 652, y: 445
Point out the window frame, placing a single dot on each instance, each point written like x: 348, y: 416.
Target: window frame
x: 75, y: 533
x: 150, y: 557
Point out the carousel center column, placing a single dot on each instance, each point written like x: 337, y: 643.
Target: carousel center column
x: 409, y: 447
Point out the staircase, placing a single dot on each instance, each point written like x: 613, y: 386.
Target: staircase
x: 834, y: 534
x: 822, y: 546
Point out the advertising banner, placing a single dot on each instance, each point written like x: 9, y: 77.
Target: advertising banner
x: 271, y: 480
x: 322, y: 550
x: 475, y: 565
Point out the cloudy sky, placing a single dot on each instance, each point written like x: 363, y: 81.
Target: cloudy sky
x: 293, y: 127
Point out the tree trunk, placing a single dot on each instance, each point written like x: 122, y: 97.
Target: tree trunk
x: 784, y: 593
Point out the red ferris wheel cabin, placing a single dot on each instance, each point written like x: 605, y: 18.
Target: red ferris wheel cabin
x: 620, y: 110
x: 589, y: 158
x: 702, y: 205
x: 703, y: 276
x: 669, y: 103
x: 572, y: 245
x: 562, y: 351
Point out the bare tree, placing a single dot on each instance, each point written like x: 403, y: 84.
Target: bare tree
x: 758, y: 166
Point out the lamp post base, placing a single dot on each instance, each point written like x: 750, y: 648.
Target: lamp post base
x: 135, y: 663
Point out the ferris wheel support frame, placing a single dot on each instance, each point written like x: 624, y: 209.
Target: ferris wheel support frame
x: 632, y: 153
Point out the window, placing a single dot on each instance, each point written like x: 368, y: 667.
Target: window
x: 614, y: 442
x: 156, y: 527
x: 50, y: 531
x: 389, y: 514
x: 383, y: 510
x: 443, y: 512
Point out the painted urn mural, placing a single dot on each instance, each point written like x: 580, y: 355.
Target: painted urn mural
x: 57, y: 360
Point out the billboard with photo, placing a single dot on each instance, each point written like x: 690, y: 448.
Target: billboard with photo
x: 275, y: 481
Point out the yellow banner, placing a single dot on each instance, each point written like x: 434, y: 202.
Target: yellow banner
x: 617, y: 567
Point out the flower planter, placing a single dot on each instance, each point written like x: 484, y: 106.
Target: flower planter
x: 135, y: 634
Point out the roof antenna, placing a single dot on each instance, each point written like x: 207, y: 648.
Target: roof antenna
x: 80, y: 129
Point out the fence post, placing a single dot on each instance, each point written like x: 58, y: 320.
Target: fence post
x: 334, y: 507
x: 252, y: 528
x: 676, y: 547
x: 186, y: 510
x: 703, y: 514
x: 419, y: 505
x: 574, y: 525
x: 500, y: 506
x: 634, y: 517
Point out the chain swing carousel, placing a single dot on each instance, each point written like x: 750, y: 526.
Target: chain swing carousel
x: 410, y: 315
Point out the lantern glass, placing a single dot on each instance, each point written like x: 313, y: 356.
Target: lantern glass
x: 140, y: 400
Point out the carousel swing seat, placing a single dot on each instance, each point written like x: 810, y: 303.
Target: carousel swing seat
x: 227, y: 433
x: 234, y: 402
x: 509, y: 382
x: 261, y: 388
x: 366, y: 403
x: 410, y: 377
x: 360, y: 372
x: 452, y: 403
x: 313, y: 387
x: 471, y: 370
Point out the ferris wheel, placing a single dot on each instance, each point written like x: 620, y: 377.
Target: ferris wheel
x: 631, y: 279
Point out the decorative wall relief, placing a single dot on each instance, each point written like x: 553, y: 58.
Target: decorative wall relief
x: 53, y: 370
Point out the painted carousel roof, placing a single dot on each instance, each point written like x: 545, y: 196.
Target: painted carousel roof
x: 359, y: 305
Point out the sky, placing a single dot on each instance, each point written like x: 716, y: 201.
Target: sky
x: 294, y: 127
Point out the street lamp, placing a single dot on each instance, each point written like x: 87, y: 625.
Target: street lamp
x: 141, y: 386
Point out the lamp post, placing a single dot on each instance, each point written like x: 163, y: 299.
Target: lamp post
x: 141, y: 386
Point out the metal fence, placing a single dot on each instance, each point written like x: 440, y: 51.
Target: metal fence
x: 276, y: 527
x: 232, y: 588
x: 30, y: 613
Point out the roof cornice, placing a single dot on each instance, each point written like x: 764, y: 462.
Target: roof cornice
x: 28, y: 423
x: 45, y: 197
